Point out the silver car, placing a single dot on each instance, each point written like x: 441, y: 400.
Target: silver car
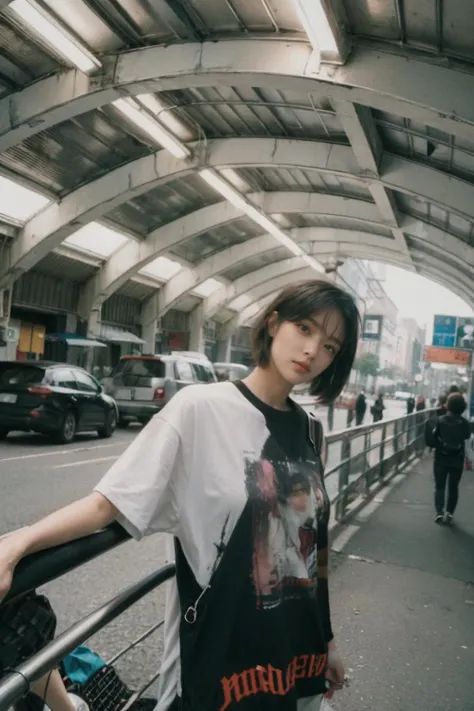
x: 142, y: 385
x: 231, y: 371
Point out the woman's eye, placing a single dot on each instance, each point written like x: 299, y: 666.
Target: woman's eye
x: 331, y: 349
x: 303, y: 328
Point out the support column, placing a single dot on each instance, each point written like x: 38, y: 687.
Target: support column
x: 93, y: 331
x: 148, y: 320
x: 224, y: 350
x: 224, y: 344
x: 7, y: 347
x: 197, y: 341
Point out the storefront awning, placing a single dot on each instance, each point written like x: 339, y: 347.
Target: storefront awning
x: 85, y: 343
x: 73, y: 340
x: 116, y: 335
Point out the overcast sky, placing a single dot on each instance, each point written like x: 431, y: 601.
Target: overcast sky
x: 421, y: 298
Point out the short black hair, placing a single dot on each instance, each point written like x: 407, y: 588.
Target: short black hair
x: 302, y: 300
x: 456, y: 403
x: 442, y: 400
x: 454, y: 389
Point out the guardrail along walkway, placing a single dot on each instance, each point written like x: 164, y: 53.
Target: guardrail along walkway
x: 402, y: 598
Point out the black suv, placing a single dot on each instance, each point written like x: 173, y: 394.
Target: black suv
x: 56, y: 399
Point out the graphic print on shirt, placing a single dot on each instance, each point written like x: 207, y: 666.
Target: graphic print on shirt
x: 287, y: 500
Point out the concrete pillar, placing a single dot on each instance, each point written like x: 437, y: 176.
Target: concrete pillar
x: 93, y: 331
x: 148, y: 319
x: 196, y: 330
x: 224, y: 349
x: 7, y: 351
x: 71, y: 323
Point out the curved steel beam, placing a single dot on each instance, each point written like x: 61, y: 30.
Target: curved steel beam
x: 413, y: 86
x: 121, y: 266
x: 359, y: 246
x: 92, y: 201
x: 133, y: 256
x: 260, y: 293
x: 51, y: 226
x: 324, y: 243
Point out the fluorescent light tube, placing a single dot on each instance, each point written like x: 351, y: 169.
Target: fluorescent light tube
x: 236, y: 199
x: 315, y: 22
x: 55, y: 35
x: 164, y: 115
x: 226, y: 190
x: 130, y: 109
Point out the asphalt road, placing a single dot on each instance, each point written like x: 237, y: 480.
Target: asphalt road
x: 37, y: 477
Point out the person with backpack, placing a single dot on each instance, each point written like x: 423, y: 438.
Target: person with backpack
x: 448, y: 438
x: 377, y: 408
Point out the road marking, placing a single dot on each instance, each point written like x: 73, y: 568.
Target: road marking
x: 85, y: 461
x: 62, y: 451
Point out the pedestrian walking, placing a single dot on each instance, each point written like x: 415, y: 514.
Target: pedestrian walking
x: 448, y: 439
x: 360, y: 408
x: 377, y: 408
x: 234, y: 471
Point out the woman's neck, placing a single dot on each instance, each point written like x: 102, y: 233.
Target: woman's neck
x: 269, y: 387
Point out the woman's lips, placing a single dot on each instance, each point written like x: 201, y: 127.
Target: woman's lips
x: 301, y: 367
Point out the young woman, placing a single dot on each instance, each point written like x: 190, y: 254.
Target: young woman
x: 234, y: 472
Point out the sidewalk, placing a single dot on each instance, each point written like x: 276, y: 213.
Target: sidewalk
x: 402, y: 598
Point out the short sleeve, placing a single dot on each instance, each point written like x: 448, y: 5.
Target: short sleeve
x: 146, y: 483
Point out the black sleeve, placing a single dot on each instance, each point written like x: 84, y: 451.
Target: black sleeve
x: 323, y: 583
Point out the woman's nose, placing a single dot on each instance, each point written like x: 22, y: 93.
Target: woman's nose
x: 312, y: 346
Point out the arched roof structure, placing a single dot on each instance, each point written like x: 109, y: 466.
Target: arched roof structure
x: 230, y: 146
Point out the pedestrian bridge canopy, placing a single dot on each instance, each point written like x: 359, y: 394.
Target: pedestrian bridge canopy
x: 211, y: 151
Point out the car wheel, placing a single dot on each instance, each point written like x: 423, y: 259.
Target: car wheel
x: 3, y: 433
x: 110, y: 424
x: 68, y: 428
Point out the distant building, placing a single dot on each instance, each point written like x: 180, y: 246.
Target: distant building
x: 410, y: 342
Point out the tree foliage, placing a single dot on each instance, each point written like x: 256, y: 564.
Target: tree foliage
x: 368, y: 364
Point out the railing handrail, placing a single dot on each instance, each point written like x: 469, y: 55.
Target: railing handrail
x: 38, y: 569
x: 357, y: 430
x: 17, y: 683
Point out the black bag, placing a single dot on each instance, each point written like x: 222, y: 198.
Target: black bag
x: 449, y: 436
x: 26, y: 626
x: 105, y: 691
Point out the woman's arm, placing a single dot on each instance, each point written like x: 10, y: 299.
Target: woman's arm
x: 74, y: 521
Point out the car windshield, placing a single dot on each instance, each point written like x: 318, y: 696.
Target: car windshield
x: 141, y: 367
x: 14, y: 375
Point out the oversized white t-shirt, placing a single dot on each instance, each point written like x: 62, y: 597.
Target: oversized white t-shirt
x: 184, y: 475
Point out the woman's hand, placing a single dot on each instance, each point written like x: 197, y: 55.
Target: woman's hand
x: 334, y: 672
x: 7, y: 567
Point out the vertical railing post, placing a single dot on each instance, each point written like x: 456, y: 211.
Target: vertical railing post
x: 344, y: 474
x: 382, y: 452
x: 395, y: 445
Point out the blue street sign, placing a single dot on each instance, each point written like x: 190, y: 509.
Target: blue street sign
x: 444, y: 325
x: 453, y: 332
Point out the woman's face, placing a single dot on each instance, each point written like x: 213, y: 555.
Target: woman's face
x: 302, y: 350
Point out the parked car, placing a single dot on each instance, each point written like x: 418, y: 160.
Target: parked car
x: 231, y: 371
x: 143, y: 384
x: 55, y: 399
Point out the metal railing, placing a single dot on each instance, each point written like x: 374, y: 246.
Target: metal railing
x: 358, y: 458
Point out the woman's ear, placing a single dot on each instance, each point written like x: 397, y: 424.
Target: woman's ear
x: 272, y: 324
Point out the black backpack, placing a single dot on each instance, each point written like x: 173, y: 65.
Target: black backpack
x: 449, y: 436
